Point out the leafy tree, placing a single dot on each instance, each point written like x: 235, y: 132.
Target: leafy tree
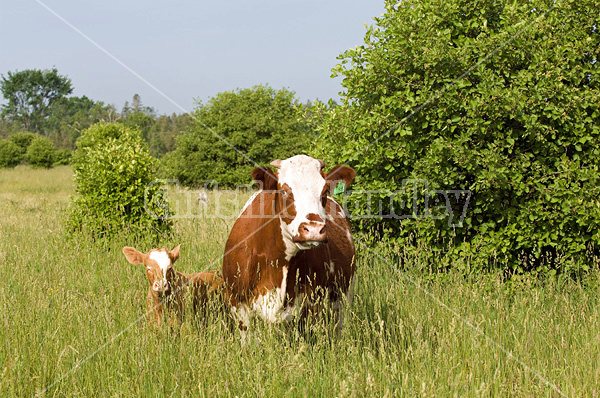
x: 114, y: 173
x: 71, y: 116
x: 260, y: 122
x: 501, y: 99
x: 140, y: 121
x: 10, y: 154
x: 97, y: 135
x: 7, y: 127
x: 138, y: 116
x: 40, y: 153
x: 161, y: 137
x: 31, y: 94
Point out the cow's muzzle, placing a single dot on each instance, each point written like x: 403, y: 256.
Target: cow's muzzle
x: 311, y: 233
x: 160, y: 286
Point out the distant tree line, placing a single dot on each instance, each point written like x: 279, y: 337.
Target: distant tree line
x: 261, y: 122
x: 38, y: 104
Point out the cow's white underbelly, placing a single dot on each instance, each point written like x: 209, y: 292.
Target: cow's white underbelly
x: 270, y: 307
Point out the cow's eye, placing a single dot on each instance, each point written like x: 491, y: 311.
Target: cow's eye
x: 324, y: 199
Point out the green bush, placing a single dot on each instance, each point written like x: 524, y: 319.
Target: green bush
x: 98, y: 134
x: 62, y: 157
x: 114, y: 175
x: 22, y: 140
x: 262, y: 123
x: 501, y: 99
x: 10, y: 154
x: 40, y: 153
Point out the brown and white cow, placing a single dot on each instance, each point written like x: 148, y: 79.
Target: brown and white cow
x: 291, y: 245
x: 171, y: 289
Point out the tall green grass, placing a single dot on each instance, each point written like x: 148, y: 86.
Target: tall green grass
x: 73, y: 321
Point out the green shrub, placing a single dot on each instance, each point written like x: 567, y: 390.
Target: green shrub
x: 10, y: 154
x: 501, y: 99
x: 22, y: 140
x: 114, y: 173
x: 40, y: 153
x: 62, y: 157
x: 98, y: 134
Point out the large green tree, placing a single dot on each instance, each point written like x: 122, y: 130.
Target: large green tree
x: 261, y: 123
x: 31, y: 93
x: 498, y: 98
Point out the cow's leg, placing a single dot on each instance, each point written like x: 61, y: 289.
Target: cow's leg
x: 303, y: 320
x: 307, y: 306
x: 154, y: 310
x: 241, y: 316
x: 342, y: 305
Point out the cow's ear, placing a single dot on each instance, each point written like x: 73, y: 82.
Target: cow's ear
x: 340, y: 178
x: 276, y: 163
x: 133, y: 256
x: 174, y: 254
x: 265, y: 177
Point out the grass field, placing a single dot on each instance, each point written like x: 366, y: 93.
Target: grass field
x: 73, y: 323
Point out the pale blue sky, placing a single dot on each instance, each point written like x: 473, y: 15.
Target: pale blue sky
x: 186, y: 49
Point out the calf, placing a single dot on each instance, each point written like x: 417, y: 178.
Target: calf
x: 170, y: 288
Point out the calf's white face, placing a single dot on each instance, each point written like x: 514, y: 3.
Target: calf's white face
x: 158, y: 263
x: 162, y: 259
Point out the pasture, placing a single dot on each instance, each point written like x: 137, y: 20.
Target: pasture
x: 73, y: 320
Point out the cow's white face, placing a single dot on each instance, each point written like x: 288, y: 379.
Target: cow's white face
x: 301, y: 197
x: 301, y: 187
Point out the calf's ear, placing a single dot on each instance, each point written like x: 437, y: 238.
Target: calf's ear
x: 133, y: 256
x: 174, y: 254
x: 340, y: 174
x: 265, y: 177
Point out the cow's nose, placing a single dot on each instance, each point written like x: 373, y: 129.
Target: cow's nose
x: 312, y: 231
